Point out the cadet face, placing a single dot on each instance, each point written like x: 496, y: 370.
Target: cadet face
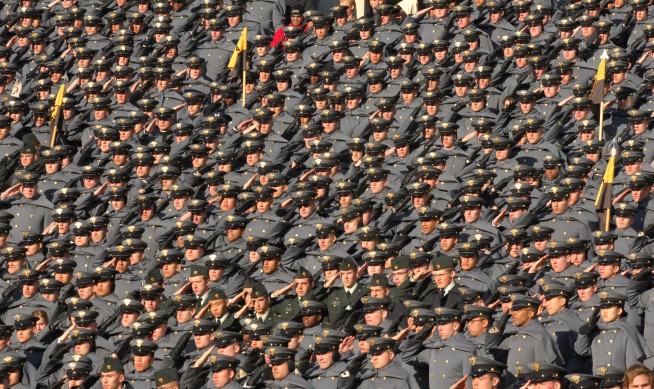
x: 402, y: 151
x: 30, y: 290
x: 234, y: 234
x: 86, y: 292
x: 98, y: 236
x: 27, y: 159
x: 447, y: 330
x: 487, y: 381
x: 199, y: 284
x: 51, y: 167
x: 203, y: 340
x: 608, y: 271
x: 559, y: 206
x: 260, y: 305
x: 522, y: 316
x: 468, y: 262
x: 551, y: 91
x: 280, y: 371
x: 50, y: 296
x: 611, y: 314
x: 115, y: 204
x: 170, y: 269
x: 443, y: 278
x: 32, y: 248
x: 477, y: 326
x: 151, y: 304
x: 14, y: 265
x: 325, y: 360
x: 633, y: 167
x: 25, y: 334
x: 377, y: 185
x: 306, y: 210
x: 74, y: 383
x: 29, y: 191
x: 91, y: 182
x: 128, y: 318
x: 559, y: 262
x: 375, y: 318
x: 64, y: 278
x: 350, y: 226
x: 216, y: 275
x: 623, y: 222
x: 142, y: 362
x: 554, y: 304
x: 325, y: 242
x: 230, y: 350
x: 218, y: 307
x: 640, y: 193
x: 112, y: 380
x: 369, y: 245
x: 222, y: 377
x: 428, y: 226
x: 379, y: 291
x: 82, y: 348
x: 471, y: 215
x: 348, y: 277
x: 269, y: 266
x: 399, y: 276
x: 309, y: 321
x: 364, y: 346
x: 303, y: 286
x: 134, y: 258
x: 381, y: 360
x: 184, y: 315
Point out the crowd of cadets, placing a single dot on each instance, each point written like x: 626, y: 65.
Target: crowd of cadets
x: 403, y: 199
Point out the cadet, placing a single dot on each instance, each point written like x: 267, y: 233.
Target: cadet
x: 530, y: 343
x: 609, y: 339
x: 448, y: 360
x: 385, y: 371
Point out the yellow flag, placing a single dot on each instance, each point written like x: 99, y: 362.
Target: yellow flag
x: 242, y: 45
x: 604, y: 196
x: 597, y: 95
x: 59, y: 100
x: 610, y: 171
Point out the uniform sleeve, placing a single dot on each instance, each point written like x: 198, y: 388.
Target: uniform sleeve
x: 414, y: 354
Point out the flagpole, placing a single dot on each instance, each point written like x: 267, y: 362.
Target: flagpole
x: 607, y: 222
x: 601, y: 123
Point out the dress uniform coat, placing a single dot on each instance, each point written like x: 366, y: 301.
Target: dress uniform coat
x: 530, y: 343
x: 391, y: 376
x: 29, y: 215
x: 617, y: 344
x: 446, y: 360
x: 564, y: 328
x: 139, y: 380
x: 326, y: 378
